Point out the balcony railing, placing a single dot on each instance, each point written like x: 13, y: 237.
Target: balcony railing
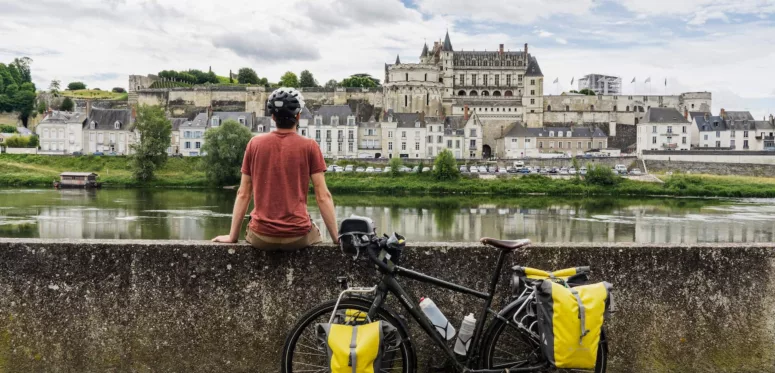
x: 669, y: 146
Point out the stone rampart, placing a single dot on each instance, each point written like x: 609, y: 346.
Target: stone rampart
x: 174, y: 306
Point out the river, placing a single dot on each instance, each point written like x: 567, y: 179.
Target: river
x: 202, y: 214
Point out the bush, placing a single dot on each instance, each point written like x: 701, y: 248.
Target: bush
x: 224, y: 149
x: 601, y: 175
x: 154, y: 130
x: 118, y: 90
x: 17, y: 141
x: 446, y: 166
x: 34, y: 142
x: 7, y: 128
x: 67, y: 104
x: 395, y: 166
x: 76, y: 86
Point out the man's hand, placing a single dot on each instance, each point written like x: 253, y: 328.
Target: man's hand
x: 336, y: 240
x: 224, y: 239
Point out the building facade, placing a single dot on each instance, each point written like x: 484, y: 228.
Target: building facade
x: 601, y: 84
x: 109, y: 131
x: 61, y: 133
x: 192, y: 135
x: 663, y: 129
x: 527, y: 142
x: 334, y: 128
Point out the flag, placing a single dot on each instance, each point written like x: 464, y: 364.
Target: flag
x: 648, y: 80
x: 572, y: 80
x: 633, y: 80
x: 556, y: 80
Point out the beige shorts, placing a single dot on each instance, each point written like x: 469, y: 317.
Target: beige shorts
x: 284, y: 243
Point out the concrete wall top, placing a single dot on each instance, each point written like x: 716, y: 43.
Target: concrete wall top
x: 173, y: 306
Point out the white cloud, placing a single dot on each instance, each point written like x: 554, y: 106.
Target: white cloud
x: 700, y: 11
x: 561, y: 40
x: 513, y: 11
x: 544, y: 34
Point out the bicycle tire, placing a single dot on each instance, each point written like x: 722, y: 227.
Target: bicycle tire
x: 496, y: 328
x: 408, y: 356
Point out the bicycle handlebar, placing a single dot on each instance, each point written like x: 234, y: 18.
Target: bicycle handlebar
x: 372, y: 249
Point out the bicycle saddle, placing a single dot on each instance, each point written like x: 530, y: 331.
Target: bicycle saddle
x: 505, y: 244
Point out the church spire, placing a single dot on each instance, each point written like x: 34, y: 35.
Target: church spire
x: 398, y: 60
x: 447, y: 44
x: 424, y: 50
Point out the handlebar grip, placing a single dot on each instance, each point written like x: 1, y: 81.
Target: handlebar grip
x: 373, y: 257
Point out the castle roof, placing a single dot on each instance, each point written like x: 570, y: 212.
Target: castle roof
x: 424, y: 50
x: 235, y: 115
x: 664, y: 115
x: 447, y: 44
x: 398, y: 60
x: 532, y: 68
x: 105, y: 119
x: 328, y: 111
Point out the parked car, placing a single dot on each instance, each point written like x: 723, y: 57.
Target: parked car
x: 81, y: 153
x: 636, y: 172
x: 531, y: 170
x: 99, y: 153
x: 519, y: 164
x: 492, y: 169
x: 474, y: 170
x: 482, y: 169
x: 369, y: 170
x: 524, y: 170
x: 563, y: 171
x: 512, y: 170
x: 349, y: 168
x: 554, y: 170
x: 338, y: 169
x: 463, y: 169
x: 426, y: 169
x: 621, y: 169
x: 330, y: 168
x: 572, y: 171
x: 583, y: 171
x: 502, y: 171
x: 405, y: 169
x: 378, y: 169
x: 387, y: 169
x: 360, y: 169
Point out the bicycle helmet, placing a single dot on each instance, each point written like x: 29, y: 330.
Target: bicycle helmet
x: 285, y: 102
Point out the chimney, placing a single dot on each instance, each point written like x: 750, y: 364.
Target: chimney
x: 723, y: 114
x: 422, y: 117
x: 525, y: 50
x: 686, y: 113
x: 501, y: 49
x: 465, y: 112
x: 772, y: 119
x: 707, y: 116
x: 88, y: 108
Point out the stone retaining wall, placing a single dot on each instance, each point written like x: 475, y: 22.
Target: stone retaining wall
x: 173, y: 306
x: 713, y: 168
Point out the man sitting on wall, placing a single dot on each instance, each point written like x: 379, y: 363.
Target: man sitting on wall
x: 276, y: 170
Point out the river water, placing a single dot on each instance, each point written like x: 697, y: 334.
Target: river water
x: 203, y: 214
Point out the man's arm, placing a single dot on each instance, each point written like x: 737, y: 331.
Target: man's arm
x: 326, y: 204
x: 244, y: 194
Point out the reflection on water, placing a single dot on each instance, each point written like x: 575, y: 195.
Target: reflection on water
x: 199, y: 215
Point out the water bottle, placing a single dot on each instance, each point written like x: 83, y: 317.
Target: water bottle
x: 465, y: 334
x: 443, y: 326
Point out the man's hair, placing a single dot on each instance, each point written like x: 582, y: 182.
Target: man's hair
x: 285, y: 123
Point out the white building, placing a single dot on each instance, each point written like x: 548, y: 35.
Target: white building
x: 601, y: 84
x: 335, y: 130
x: 525, y: 142
x: 174, y: 148
x: 663, y: 129
x: 244, y: 118
x: 192, y: 135
x: 108, y: 131
x: 61, y: 133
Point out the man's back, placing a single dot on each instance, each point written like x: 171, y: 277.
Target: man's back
x: 280, y: 165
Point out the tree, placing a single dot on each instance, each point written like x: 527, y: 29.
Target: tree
x: 22, y: 65
x: 395, y: 166
x: 33, y: 142
x: 118, y: 90
x: 76, y: 86
x: 587, y: 91
x: 67, y: 104
x: 7, y: 128
x: 289, y: 79
x: 360, y: 80
x: 331, y: 84
x: 446, y: 166
x: 307, y: 80
x: 150, y: 153
x: 55, y: 87
x: 601, y: 175
x: 42, y: 107
x: 224, y: 149
x: 247, y: 75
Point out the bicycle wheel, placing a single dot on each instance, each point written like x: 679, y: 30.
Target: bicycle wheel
x: 304, y: 353
x: 508, y: 346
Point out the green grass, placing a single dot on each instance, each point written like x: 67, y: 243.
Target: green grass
x: 90, y: 93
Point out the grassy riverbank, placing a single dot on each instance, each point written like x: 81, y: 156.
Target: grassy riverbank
x: 36, y: 170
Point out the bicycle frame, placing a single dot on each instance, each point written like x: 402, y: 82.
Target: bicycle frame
x: 389, y: 284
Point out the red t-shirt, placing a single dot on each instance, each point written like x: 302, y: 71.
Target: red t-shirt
x: 280, y: 165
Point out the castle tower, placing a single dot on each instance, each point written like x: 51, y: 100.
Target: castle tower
x: 533, y: 100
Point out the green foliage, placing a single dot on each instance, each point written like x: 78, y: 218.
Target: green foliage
x: 587, y: 91
x: 7, y: 128
x: 331, y: 84
x: 118, y: 90
x: 446, y: 166
x: 67, y: 104
x: 289, y: 79
x: 360, y: 80
x: 192, y: 76
x: 34, y: 142
x: 42, y: 107
x: 154, y: 130
x: 74, y: 86
x: 307, y: 80
x: 601, y: 175
x: 17, y: 92
x: 18, y: 141
x: 224, y: 149
x: 55, y: 87
x: 247, y: 75
x: 395, y: 166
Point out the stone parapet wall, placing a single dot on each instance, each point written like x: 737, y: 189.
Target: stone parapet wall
x: 175, y: 306
x: 712, y: 168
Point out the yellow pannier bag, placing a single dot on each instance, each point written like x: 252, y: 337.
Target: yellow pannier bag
x: 570, y: 321
x: 354, y: 348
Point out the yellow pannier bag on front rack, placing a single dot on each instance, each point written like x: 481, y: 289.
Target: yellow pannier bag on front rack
x: 570, y: 321
x: 354, y: 348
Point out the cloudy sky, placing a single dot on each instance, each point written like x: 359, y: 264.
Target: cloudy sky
x: 722, y: 46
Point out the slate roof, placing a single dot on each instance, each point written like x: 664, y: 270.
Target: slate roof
x: 455, y: 125
x: 764, y: 125
x: 235, y: 115
x: 200, y: 121
x: 664, y: 115
x: 262, y: 121
x: 693, y: 114
x: 424, y: 50
x: 64, y: 117
x: 104, y: 119
x: 532, y: 68
x: 447, y: 44
x: 711, y: 123
x: 520, y: 130
x: 305, y: 113
x: 328, y: 111
x: 398, y: 60
x: 176, y: 122
x: 738, y: 115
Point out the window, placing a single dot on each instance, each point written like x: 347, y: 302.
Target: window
x: 188, y: 145
x: 560, y: 144
x: 303, y: 131
x: 339, y: 135
x: 508, y: 80
x: 706, y: 136
x: 370, y: 132
x: 589, y: 144
x: 532, y: 92
x: 473, y: 132
x: 406, y: 100
x: 318, y: 121
x: 745, y: 144
x: 745, y: 134
x: 214, y: 122
x: 334, y: 120
x: 732, y: 134
x: 426, y: 77
x: 427, y: 99
x: 457, y: 144
x: 532, y: 82
x: 112, y: 138
x: 403, y: 146
x: 718, y: 133
x: 241, y: 120
x: 198, y: 144
x: 430, y: 139
x: 497, y: 80
x: 100, y: 138
x: 551, y: 133
x: 328, y: 135
x: 317, y: 135
x: 390, y: 134
x: 540, y: 145
x: 339, y: 146
x: 403, y: 134
x: 407, y: 77
x: 473, y: 79
x: 669, y: 129
x: 568, y: 134
x: 683, y: 140
x: 449, y: 144
x: 519, y: 78
x: 350, y: 121
x: 417, y: 146
x: 683, y: 129
x: 473, y: 144
x: 328, y: 147
x: 417, y: 134
x: 600, y: 145
x: 484, y: 79
x: 653, y: 129
x: 390, y: 145
x: 350, y: 135
x: 187, y: 134
x: 654, y: 140
x: 462, y: 79
x: 731, y: 143
x: 532, y: 101
x: 117, y: 125
x: 578, y: 145
x: 350, y: 147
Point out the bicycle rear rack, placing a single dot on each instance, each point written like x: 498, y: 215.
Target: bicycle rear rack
x: 359, y: 290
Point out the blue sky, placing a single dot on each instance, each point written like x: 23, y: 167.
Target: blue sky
x: 722, y: 46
